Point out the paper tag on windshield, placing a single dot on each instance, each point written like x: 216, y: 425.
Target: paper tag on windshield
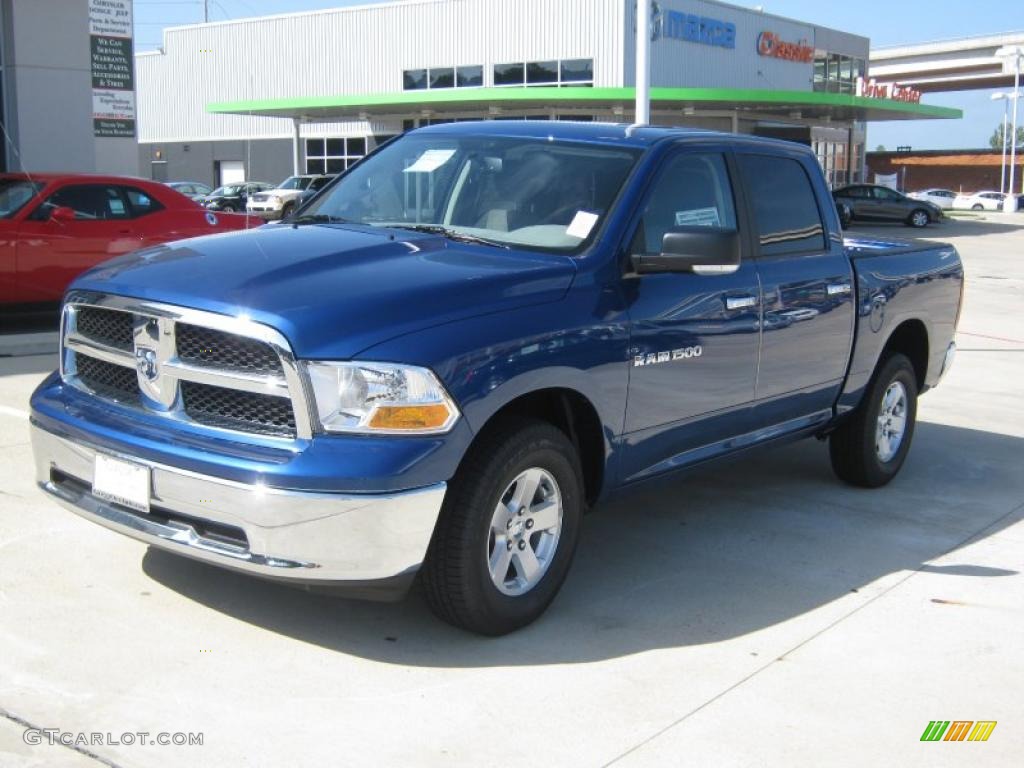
x: 698, y: 217
x: 581, y: 225
x: 430, y: 160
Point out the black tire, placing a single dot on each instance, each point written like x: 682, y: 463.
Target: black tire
x: 977, y: 207
x: 918, y: 218
x: 455, y: 576
x: 229, y: 208
x: 845, y: 216
x: 286, y: 211
x: 852, y: 448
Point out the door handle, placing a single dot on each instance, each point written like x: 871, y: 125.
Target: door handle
x: 740, y: 302
x: 838, y: 289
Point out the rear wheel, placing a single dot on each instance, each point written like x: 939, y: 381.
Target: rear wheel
x: 508, y: 530
x: 845, y: 216
x: 869, y: 449
x: 918, y: 218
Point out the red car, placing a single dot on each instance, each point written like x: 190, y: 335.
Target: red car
x: 55, y: 226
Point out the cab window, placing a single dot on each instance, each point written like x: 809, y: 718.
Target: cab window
x: 693, y: 190
x: 785, y: 207
x: 140, y: 202
x: 90, y: 202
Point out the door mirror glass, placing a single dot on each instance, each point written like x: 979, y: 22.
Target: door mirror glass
x: 700, y: 250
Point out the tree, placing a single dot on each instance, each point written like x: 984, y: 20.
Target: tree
x: 996, y: 140
x: 880, y: 148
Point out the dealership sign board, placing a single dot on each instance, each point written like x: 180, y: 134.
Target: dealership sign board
x: 770, y: 44
x: 893, y: 91
x: 113, y: 79
x: 691, y: 28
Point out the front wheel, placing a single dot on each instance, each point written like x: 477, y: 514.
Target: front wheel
x: 919, y: 219
x: 869, y: 449
x: 977, y: 207
x: 507, y: 531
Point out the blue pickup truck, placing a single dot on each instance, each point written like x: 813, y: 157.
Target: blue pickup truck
x: 471, y: 337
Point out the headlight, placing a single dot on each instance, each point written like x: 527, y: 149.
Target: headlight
x: 275, y: 200
x: 381, y: 398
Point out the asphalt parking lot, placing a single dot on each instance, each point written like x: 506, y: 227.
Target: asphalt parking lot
x: 757, y: 614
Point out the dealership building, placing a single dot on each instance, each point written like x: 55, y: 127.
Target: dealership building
x: 312, y: 92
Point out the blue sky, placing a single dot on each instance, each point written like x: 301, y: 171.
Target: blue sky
x: 886, y: 22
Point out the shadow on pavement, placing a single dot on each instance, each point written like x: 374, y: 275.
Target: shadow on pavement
x: 689, y: 561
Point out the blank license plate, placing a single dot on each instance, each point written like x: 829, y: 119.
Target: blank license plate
x: 121, y: 482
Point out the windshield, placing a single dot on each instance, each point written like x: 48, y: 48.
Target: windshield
x: 228, y: 191
x: 514, y: 191
x: 294, y: 182
x: 14, y: 193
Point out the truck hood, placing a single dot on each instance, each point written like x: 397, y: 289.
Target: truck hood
x: 335, y: 290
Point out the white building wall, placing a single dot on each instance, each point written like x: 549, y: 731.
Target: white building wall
x: 356, y: 50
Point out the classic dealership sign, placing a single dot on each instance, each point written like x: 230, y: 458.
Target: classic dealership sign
x: 113, y: 80
x: 770, y: 44
x: 893, y: 91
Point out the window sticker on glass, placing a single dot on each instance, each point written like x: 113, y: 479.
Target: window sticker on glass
x: 430, y: 160
x: 581, y: 224
x: 698, y: 217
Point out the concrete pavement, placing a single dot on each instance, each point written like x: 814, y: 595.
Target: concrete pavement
x: 757, y: 614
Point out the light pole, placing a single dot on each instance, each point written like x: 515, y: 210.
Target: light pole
x: 643, y: 62
x: 1005, y: 98
x: 1012, y: 53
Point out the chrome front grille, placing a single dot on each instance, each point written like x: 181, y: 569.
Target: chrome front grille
x: 204, y: 346
x: 243, y: 411
x: 106, y: 327
x: 199, y: 367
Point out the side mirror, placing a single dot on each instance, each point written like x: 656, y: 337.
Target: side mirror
x: 700, y: 250
x: 62, y: 214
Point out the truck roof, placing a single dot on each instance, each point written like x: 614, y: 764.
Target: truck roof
x: 620, y: 134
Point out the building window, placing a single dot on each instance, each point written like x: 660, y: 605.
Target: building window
x: 540, y: 73
x: 333, y: 155
x: 837, y: 74
x: 469, y: 77
x: 509, y: 74
x: 577, y: 71
x: 414, y: 79
x: 442, y: 77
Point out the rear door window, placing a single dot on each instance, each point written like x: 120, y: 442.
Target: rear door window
x: 785, y: 207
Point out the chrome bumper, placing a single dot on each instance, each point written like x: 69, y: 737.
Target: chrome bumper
x: 313, y: 538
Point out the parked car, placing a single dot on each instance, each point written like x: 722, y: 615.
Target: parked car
x: 986, y: 200
x: 233, y: 197
x: 940, y: 197
x: 872, y: 202
x: 307, y: 194
x: 55, y: 226
x: 279, y: 202
x: 471, y: 338
x: 192, y: 189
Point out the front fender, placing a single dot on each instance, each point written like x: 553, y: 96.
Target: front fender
x: 578, y: 343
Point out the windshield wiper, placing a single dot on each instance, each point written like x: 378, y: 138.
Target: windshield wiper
x: 451, y: 234
x: 315, y: 218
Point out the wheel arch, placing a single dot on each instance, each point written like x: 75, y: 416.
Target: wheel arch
x: 909, y: 338
x: 570, y: 411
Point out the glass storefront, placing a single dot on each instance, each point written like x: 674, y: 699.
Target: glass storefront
x: 835, y: 73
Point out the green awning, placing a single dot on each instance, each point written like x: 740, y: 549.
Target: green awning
x: 809, y: 104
